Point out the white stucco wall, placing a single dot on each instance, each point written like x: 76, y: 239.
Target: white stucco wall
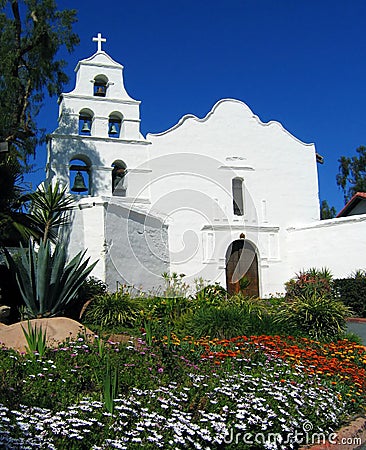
x: 178, y: 212
x: 87, y: 232
x: 137, y: 242
x: 276, y: 167
x: 192, y: 166
x: 338, y: 244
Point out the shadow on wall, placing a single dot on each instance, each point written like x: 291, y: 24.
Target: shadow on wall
x: 67, y: 146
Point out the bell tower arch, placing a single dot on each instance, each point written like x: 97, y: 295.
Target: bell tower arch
x: 98, y: 119
x: 97, y: 142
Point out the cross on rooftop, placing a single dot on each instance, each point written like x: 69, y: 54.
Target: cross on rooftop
x: 99, y: 39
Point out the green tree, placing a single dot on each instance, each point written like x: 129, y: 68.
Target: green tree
x: 12, y: 218
x: 326, y: 211
x: 352, y: 173
x: 31, y: 34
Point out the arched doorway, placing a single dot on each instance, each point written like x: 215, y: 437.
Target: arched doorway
x: 242, y: 268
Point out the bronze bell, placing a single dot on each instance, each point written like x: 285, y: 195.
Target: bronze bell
x: 79, y: 183
x: 86, y: 127
x: 100, y: 90
x: 113, y: 129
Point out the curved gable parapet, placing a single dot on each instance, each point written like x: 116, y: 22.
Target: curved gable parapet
x: 98, y: 68
x: 218, y: 105
x: 101, y: 59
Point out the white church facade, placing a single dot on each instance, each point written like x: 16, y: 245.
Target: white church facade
x: 226, y: 198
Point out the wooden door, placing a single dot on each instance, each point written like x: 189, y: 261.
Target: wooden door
x: 242, y: 269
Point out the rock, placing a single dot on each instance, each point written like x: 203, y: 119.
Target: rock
x: 57, y: 329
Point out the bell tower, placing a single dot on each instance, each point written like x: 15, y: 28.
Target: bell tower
x: 98, y: 128
x: 97, y: 150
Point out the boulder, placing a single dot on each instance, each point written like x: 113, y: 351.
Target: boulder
x: 58, y: 329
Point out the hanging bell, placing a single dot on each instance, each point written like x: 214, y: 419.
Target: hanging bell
x: 100, y: 90
x: 113, y: 129
x: 79, y: 183
x: 86, y: 127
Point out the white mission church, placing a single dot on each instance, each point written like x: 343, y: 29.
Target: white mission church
x: 226, y: 198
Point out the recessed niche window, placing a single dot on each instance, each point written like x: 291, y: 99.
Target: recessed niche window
x: 100, y: 86
x: 114, y: 125
x: 118, y: 178
x: 79, y: 176
x: 238, y: 200
x: 85, y: 122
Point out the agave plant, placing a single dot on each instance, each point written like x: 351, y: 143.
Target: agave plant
x: 47, y: 282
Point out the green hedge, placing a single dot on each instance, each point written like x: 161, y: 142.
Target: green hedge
x: 352, y: 292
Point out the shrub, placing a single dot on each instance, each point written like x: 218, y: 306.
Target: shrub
x: 236, y: 315
x: 113, y: 310
x: 222, y: 323
x: 352, y: 292
x: 89, y: 289
x: 310, y: 281
x: 316, y: 316
x: 212, y: 294
x: 46, y: 281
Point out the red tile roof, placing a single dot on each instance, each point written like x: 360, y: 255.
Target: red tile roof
x: 351, y: 204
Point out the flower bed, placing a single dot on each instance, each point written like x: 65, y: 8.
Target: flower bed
x: 243, y: 393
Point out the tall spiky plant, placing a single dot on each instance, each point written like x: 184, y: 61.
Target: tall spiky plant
x: 37, y: 215
x: 46, y: 281
x: 49, y: 208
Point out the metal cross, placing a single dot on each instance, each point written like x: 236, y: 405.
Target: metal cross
x: 99, y: 39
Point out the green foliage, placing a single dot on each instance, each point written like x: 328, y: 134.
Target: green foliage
x: 315, y: 315
x: 174, y: 285
x: 89, y: 289
x: 49, y: 210
x: 13, y: 221
x: 46, y: 281
x: 244, y: 283
x: 158, y: 387
x: 352, y: 173
x: 36, y: 340
x: 216, y: 322
x: 238, y: 315
x: 31, y: 35
x: 110, y: 310
x: 327, y: 212
x: 110, y: 387
x: 352, y: 337
x: 39, y: 215
x: 352, y: 292
x: 166, y: 309
x: 211, y: 294
x: 309, y: 282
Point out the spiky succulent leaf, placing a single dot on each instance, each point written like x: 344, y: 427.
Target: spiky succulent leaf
x: 46, y: 282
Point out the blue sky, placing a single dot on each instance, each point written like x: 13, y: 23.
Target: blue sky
x: 299, y: 62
